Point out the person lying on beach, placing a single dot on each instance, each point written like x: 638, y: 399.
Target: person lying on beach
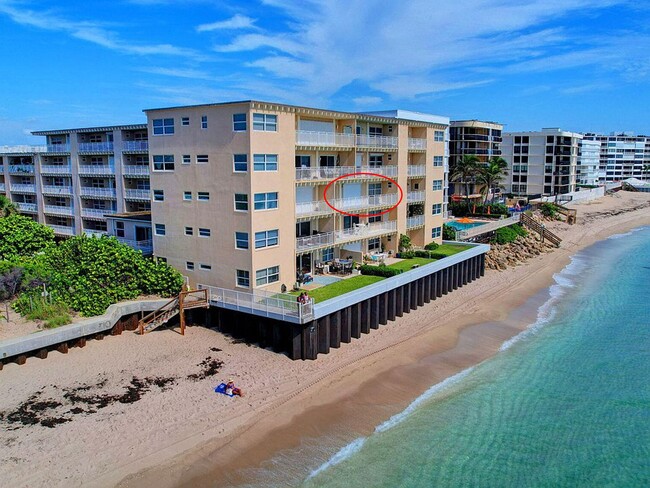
x: 231, y: 389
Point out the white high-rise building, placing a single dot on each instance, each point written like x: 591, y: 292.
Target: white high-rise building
x: 588, y: 163
x: 623, y: 155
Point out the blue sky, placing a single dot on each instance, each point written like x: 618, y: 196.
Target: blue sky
x: 583, y: 65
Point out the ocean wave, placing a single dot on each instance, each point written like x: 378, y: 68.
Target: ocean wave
x: 628, y: 233
x: 347, y: 451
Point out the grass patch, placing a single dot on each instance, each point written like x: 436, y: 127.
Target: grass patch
x: 450, y: 249
x: 407, y: 264
x: 340, y: 287
x: 54, y: 314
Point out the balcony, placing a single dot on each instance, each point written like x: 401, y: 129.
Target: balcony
x: 63, y: 230
x: 324, y: 139
x: 2, y: 168
x: 3, y: 187
x: 145, y: 246
x: 135, y: 170
x: 356, y: 233
x: 135, y: 146
x: 57, y: 190
x: 415, y: 221
x: 329, y: 173
x: 417, y: 144
x: 138, y: 195
x: 95, y: 147
x: 58, y: 210
x: 347, y: 204
x: 21, y: 169
x: 23, y: 188
x: 56, y: 169
x: 416, y: 170
x: 415, y: 196
x: 96, y: 169
x: 475, y: 137
x: 96, y: 213
x: 377, y: 142
x: 88, y: 191
x: 57, y: 148
x: 27, y: 207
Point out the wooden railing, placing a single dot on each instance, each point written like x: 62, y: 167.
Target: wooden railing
x: 571, y: 214
x: 544, y: 233
x: 185, y: 300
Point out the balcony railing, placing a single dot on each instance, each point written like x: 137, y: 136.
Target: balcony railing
x: 132, y: 169
x: 95, y: 147
x: 382, y: 142
x: 417, y: 170
x: 415, y: 221
x: 27, y: 207
x: 58, y: 210
x: 347, y: 204
x: 145, y: 246
x: 96, y: 213
x: 135, y: 146
x: 3, y: 187
x: 333, y: 139
x: 57, y: 190
x: 21, y: 149
x: 62, y: 229
x: 56, y: 169
x: 88, y: 191
x: 20, y: 169
x: 331, y: 172
x: 2, y: 168
x: 356, y: 233
x: 23, y: 188
x: 415, y: 196
x: 138, y: 194
x: 417, y: 144
x: 57, y: 148
x: 96, y: 169
x: 95, y: 233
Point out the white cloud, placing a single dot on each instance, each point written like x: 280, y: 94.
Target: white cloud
x: 236, y: 22
x: 178, y: 73
x: 366, y: 101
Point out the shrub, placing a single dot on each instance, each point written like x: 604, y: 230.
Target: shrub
x: 548, y: 210
x: 404, y: 242
x: 432, y: 246
x: 448, y: 233
x: 381, y: 270
x: 520, y: 230
x: 36, y: 307
x: 505, y: 235
x: 21, y: 236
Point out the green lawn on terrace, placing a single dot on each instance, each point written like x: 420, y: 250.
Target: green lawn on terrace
x: 407, y: 264
x: 450, y: 249
x: 340, y: 287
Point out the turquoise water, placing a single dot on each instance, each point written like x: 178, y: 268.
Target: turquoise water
x: 462, y: 226
x: 566, y: 403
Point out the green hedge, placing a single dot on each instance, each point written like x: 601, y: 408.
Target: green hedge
x: 504, y: 235
x: 381, y: 270
x: 420, y: 253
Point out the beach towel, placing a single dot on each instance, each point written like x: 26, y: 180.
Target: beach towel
x: 222, y: 389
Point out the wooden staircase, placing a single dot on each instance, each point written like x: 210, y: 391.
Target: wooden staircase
x: 533, y: 225
x: 571, y: 214
x: 185, y: 300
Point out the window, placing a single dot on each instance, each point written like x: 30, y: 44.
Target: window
x: 239, y: 122
x: 206, y: 267
x: 438, y: 136
x: 163, y: 127
x: 303, y: 161
x: 159, y: 229
x: 241, y: 202
x: 201, y: 159
x: 375, y: 131
x: 204, y: 121
x: 266, y: 201
x: 204, y: 232
x: 203, y: 196
x: 374, y: 216
x: 266, y: 238
x: 374, y: 244
x: 158, y: 196
x: 243, y: 278
x: 437, y: 161
x: 241, y: 240
x: 328, y: 254
x: 189, y: 231
x: 437, y: 185
x: 265, y: 122
x: 375, y: 160
x: 189, y: 265
x: 119, y: 229
x: 436, y: 232
x: 187, y: 159
x: 267, y: 275
x: 185, y: 121
x: 187, y: 195
x: 163, y: 162
x: 240, y: 163
x: 436, y: 208
x: 265, y: 162
x: 374, y: 189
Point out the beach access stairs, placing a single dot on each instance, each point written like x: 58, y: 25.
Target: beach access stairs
x: 571, y: 214
x: 543, y: 232
x: 184, y: 301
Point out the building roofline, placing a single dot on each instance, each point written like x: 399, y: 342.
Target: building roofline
x: 89, y: 129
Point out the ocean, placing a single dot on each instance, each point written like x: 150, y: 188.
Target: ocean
x: 564, y: 403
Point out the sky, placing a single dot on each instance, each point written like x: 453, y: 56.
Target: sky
x: 582, y: 65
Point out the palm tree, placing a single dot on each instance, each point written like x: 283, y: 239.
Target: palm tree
x: 492, y: 174
x: 646, y: 170
x: 464, y: 171
x: 7, y: 207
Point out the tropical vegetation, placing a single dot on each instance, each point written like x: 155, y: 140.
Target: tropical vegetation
x: 469, y: 170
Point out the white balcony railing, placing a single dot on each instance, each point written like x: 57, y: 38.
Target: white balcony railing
x: 62, y: 229
x: 58, y: 210
x: 135, y: 146
x: 95, y: 147
x: 95, y: 233
x: 97, y: 213
x: 356, y: 233
x: 331, y: 172
x: 334, y: 139
x: 145, y: 246
x: 416, y: 170
x: 138, y: 194
x: 415, y: 196
x: 23, y: 188
x: 88, y: 191
x: 417, y: 144
x: 382, y: 142
x: 57, y: 190
x: 27, y: 207
x: 21, y: 168
x: 57, y: 148
x: 21, y: 149
x: 132, y: 169
x: 415, y: 221
x: 56, y: 169
x: 347, y: 204
x: 96, y: 169
x: 3, y: 187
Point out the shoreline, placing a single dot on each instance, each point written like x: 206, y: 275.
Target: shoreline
x: 184, y: 434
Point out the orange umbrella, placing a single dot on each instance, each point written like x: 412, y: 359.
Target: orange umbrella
x: 465, y: 220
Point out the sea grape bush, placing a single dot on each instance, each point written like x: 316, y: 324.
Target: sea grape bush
x: 22, y: 237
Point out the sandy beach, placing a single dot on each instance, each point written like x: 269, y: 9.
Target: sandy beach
x: 141, y: 411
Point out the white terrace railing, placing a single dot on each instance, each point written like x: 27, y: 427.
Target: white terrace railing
x: 57, y: 190
x: 97, y: 213
x: 88, y: 191
x: 21, y: 168
x: 314, y: 138
x: 133, y: 169
x: 331, y: 172
x: 21, y: 149
x: 146, y: 246
x: 416, y: 170
x: 348, y: 204
x: 380, y: 142
x: 136, y: 194
x: 135, y: 146
x: 56, y: 169
x: 415, y: 221
x: 358, y: 232
x: 23, y: 188
x: 96, y: 169
x: 489, y: 227
x: 95, y: 147
x: 57, y: 148
x: 58, y: 210
x: 62, y: 229
x: 258, y: 302
x: 417, y: 144
x: 415, y: 196
x: 27, y: 207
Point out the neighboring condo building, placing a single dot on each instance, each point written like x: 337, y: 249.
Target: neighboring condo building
x: 588, y: 163
x: 622, y: 156
x: 79, y: 177
x: 541, y: 163
x: 239, y: 188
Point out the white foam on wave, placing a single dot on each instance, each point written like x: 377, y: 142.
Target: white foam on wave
x: 628, y: 233
x: 350, y: 449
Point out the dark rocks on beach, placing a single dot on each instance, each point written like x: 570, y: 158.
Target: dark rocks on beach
x: 503, y: 256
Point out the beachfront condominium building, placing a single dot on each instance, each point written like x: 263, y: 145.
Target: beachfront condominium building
x: 79, y: 177
x: 250, y: 194
x: 542, y: 162
x: 623, y: 155
x: 588, y: 163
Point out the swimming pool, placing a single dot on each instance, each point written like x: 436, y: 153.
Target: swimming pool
x: 463, y: 226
